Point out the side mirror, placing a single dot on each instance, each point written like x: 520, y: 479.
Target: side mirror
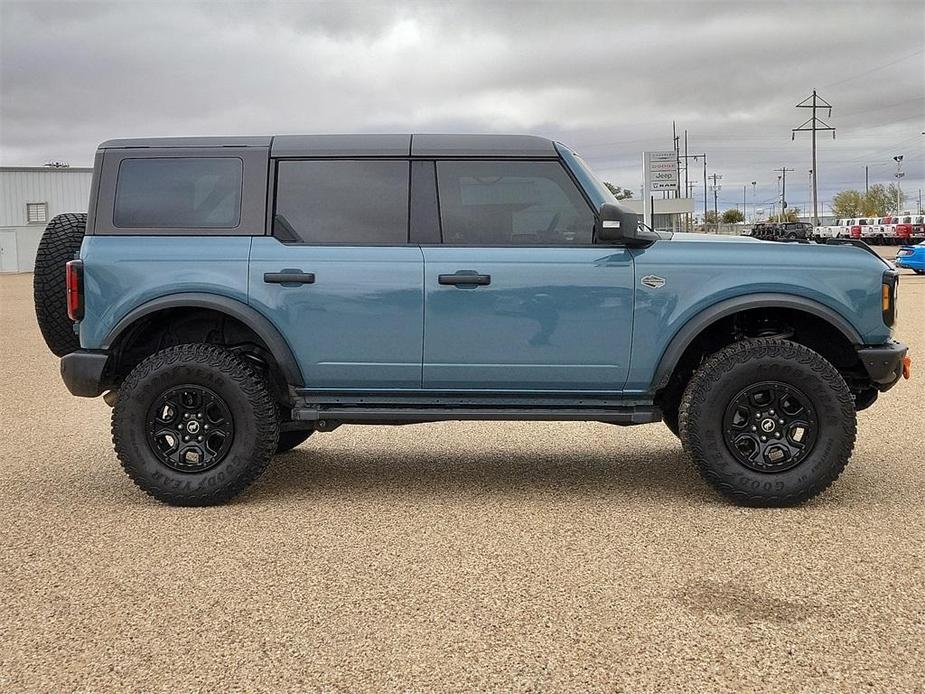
x: 617, y: 224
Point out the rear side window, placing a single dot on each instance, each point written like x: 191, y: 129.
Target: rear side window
x: 342, y: 202
x: 179, y: 193
x: 511, y: 203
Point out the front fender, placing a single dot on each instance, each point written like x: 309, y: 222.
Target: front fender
x: 707, y: 317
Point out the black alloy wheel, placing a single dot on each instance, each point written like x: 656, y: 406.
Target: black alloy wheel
x: 190, y: 428
x: 770, y: 427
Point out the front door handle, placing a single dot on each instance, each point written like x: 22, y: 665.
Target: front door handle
x: 465, y: 278
x: 289, y: 278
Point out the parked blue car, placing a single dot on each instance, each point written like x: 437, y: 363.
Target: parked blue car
x: 912, y: 258
x: 233, y: 296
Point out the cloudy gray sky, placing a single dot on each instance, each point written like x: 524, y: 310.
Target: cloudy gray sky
x: 605, y: 78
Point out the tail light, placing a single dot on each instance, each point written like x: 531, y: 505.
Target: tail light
x: 888, y: 292
x: 74, y: 273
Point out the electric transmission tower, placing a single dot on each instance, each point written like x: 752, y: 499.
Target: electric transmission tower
x: 812, y: 125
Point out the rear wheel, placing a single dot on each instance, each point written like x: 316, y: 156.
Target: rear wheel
x: 194, y: 425
x: 60, y: 243
x: 768, y: 422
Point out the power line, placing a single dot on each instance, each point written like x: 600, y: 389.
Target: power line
x: 874, y: 69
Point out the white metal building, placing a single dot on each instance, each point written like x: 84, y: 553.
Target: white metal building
x: 29, y: 197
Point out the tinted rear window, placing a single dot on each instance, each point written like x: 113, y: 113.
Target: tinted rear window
x: 347, y: 202
x: 175, y: 193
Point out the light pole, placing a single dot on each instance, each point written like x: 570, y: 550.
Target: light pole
x: 779, y: 198
x: 899, y: 175
x: 815, y: 221
x: 754, y: 214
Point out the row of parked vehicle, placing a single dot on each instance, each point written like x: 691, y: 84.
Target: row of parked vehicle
x: 892, y: 229
x: 790, y: 231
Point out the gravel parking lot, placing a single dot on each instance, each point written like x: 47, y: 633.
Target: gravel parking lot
x: 524, y: 556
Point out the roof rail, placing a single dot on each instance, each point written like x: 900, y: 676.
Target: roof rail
x: 852, y: 242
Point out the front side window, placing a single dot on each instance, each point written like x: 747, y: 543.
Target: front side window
x: 179, y: 193
x: 511, y: 203
x: 342, y: 202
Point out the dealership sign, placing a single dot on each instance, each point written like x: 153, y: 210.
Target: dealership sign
x: 660, y: 172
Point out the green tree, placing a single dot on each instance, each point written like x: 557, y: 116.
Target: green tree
x: 618, y: 192
x: 709, y: 217
x: 791, y: 214
x: 732, y: 216
x: 897, y: 198
x: 881, y: 199
x: 848, y: 203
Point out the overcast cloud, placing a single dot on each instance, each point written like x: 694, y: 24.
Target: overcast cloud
x: 605, y: 78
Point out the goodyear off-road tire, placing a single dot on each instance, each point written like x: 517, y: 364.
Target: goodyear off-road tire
x: 725, y: 391
x: 670, y: 418
x: 60, y: 243
x: 290, y: 439
x: 184, y: 395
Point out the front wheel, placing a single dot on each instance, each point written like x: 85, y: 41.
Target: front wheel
x: 194, y: 425
x: 290, y: 439
x: 768, y: 422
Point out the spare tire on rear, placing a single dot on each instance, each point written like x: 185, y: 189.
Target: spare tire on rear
x: 60, y: 243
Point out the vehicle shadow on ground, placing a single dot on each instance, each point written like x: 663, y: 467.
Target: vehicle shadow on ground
x: 325, y: 473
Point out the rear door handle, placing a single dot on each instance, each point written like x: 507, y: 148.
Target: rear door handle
x: 289, y: 278
x: 465, y: 277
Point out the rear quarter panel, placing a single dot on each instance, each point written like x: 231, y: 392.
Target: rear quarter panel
x: 124, y: 272
x: 701, y: 273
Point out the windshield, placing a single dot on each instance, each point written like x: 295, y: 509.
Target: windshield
x: 596, y: 190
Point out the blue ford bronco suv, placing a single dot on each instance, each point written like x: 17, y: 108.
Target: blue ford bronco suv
x: 233, y: 296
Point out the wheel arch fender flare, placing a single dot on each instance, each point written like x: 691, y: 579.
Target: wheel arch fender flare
x: 238, y: 310
x: 708, y: 316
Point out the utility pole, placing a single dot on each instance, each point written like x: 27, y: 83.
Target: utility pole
x: 675, y: 139
x: 866, y: 180
x: 690, y: 217
x: 716, y: 189
x: 783, y: 191
x: 814, y: 102
x: 704, y: 190
x: 687, y: 217
x: 695, y: 157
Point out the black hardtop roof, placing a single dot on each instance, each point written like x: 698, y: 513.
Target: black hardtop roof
x: 362, y: 145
